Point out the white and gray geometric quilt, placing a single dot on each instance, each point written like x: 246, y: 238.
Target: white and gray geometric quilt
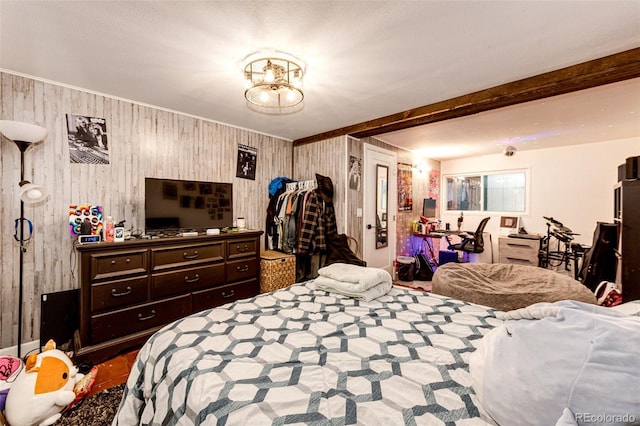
x: 304, y: 356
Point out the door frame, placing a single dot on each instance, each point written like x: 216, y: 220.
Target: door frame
x: 368, y: 202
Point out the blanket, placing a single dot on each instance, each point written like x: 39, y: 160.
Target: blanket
x: 360, y: 282
x: 303, y: 356
x: 348, y: 289
x: 563, y: 363
x: 360, y: 278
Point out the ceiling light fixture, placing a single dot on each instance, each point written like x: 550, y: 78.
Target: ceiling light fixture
x: 273, y: 82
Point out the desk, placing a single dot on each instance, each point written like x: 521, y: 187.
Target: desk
x: 438, y: 234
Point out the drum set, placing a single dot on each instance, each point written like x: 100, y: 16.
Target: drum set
x: 558, y: 248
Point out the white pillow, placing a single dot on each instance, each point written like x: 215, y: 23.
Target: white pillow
x: 570, y: 355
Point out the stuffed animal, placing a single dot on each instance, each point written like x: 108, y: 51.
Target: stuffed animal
x: 42, y: 389
x: 10, y: 367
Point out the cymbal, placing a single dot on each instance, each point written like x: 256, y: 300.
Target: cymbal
x: 562, y: 236
x: 563, y: 229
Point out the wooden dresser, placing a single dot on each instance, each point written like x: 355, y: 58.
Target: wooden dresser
x: 130, y: 290
x: 519, y: 251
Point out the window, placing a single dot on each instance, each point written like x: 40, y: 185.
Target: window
x: 494, y: 192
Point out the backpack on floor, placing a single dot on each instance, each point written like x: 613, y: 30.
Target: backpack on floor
x: 424, y: 268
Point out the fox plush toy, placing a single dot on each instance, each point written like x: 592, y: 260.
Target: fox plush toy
x: 43, y: 389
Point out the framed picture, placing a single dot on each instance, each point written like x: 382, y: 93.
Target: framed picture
x: 87, y: 139
x: 246, y: 165
x: 405, y: 187
x: 508, y: 225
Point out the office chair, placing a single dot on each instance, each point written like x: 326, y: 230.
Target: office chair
x: 472, y: 243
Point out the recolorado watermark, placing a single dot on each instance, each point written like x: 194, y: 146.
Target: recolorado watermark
x: 605, y: 418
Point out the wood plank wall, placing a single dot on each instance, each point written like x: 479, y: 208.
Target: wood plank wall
x: 143, y: 142
x: 327, y: 158
x: 330, y: 158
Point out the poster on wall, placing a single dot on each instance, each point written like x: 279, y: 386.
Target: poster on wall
x: 355, y: 167
x: 247, y: 157
x: 85, y: 219
x: 434, y: 184
x: 87, y: 139
x: 405, y: 190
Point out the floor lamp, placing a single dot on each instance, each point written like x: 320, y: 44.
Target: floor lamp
x: 24, y: 135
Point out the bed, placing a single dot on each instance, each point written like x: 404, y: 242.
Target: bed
x: 305, y: 356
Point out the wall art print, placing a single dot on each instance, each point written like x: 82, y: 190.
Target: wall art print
x: 355, y: 172
x: 247, y: 157
x: 85, y: 213
x: 87, y: 139
x: 405, y: 187
x: 434, y: 184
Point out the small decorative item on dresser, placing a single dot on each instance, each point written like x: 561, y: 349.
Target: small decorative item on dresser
x: 277, y: 270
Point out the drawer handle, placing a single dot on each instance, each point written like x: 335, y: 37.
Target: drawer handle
x: 519, y: 260
x: 193, y: 256
x: 191, y: 280
x: 228, y: 295
x: 113, y: 262
x: 114, y: 293
x: 244, y: 268
x: 147, y: 318
x: 242, y: 249
x: 519, y: 245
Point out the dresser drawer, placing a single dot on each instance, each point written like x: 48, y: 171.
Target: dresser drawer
x: 114, y: 294
x: 186, y: 280
x: 243, y: 269
x: 192, y: 254
x: 518, y: 251
x: 242, y: 248
x: 126, y: 321
x: 207, y: 299
x: 116, y: 264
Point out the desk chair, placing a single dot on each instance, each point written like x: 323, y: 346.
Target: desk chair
x: 471, y: 243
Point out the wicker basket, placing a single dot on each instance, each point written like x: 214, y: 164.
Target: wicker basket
x: 277, y: 270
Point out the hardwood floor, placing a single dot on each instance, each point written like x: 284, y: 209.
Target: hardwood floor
x: 416, y: 285
x: 113, y: 372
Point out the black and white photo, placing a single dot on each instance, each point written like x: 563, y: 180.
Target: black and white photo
x: 355, y: 176
x: 88, y: 140
x: 247, y: 156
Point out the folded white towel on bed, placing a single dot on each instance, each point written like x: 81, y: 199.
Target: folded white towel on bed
x: 348, y: 289
x: 358, y: 278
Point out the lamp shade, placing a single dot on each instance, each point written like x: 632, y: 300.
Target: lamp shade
x: 30, y: 193
x: 18, y: 131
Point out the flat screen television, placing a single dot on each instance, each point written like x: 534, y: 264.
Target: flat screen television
x: 172, y: 205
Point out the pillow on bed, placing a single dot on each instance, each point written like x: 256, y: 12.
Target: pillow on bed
x: 553, y: 363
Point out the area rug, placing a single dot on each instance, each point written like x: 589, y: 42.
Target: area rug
x: 96, y: 410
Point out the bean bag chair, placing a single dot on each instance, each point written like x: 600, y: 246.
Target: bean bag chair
x: 505, y: 287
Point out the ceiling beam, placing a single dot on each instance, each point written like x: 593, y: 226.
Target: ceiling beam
x: 609, y: 69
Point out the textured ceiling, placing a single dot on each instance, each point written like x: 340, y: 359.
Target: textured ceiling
x: 365, y: 59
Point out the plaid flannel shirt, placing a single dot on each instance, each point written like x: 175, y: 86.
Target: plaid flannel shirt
x: 318, y: 219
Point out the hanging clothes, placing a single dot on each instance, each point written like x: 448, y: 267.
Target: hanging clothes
x: 319, y: 218
x: 277, y: 186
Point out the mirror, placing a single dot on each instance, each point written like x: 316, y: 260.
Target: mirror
x: 382, y: 196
